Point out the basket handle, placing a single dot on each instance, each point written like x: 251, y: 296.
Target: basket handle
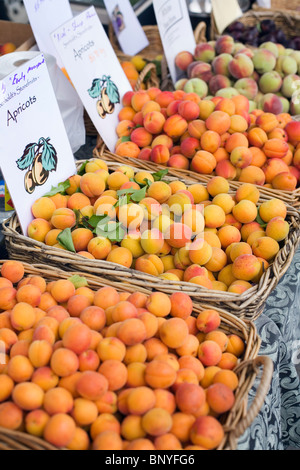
x: 200, y: 32
x: 262, y: 390
x: 148, y: 68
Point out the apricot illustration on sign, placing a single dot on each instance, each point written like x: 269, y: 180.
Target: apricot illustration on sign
x: 39, y: 159
x: 106, y: 92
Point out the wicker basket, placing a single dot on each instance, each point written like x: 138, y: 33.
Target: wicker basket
x: 287, y: 21
x: 291, y: 198
x: 293, y: 6
x: 249, y: 305
x: 235, y: 423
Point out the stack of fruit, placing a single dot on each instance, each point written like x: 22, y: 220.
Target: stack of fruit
x: 268, y: 76
x: 103, y: 370
x: 135, y: 66
x: 217, y: 136
x: 205, y: 235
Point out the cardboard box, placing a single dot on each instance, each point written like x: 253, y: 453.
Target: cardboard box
x: 18, y: 33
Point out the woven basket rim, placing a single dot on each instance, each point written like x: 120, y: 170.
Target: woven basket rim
x: 250, y: 303
x: 237, y: 420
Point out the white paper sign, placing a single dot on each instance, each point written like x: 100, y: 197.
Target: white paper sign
x: 129, y: 32
x: 44, y: 17
x: 94, y: 70
x: 225, y: 16
x: 35, y: 153
x: 176, y: 31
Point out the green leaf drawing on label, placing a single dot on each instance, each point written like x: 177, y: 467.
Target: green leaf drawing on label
x: 65, y: 239
x: 78, y: 281
x: 28, y: 157
x: 61, y: 188
x: 96, y: 88
x: 112, y: 91
x: 49, y: 155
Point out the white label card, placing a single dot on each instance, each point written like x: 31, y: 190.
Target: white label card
x: 44, y: 17
x: 128, y: 30
x: 176, y: 30
x: 35, y: 153
x: 95, y: 71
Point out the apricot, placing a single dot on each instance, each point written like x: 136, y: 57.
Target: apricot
x: 58, y: 400
x: 12, y: 271
x: 174, y: 333
x: 272, y: 208
x: 91, y: 385
x: 20, y: 369
x: 219, y: 122
x: 77, y: 338
x: 64, y: 362
x: 11, y: 416
x: 60, y: 430
x: 203, y: 162
x: 40, y: 353
x: 217, y: 262
x: 159, y: 374
x: 246, y: 267
x: 159, y: 304
x: 115, y: 373
x: 121, y: 256
x: 214, y: 216
x: 111, y: 348
x: 6, y: 387
x: 245, y: 211
x: 278, y: 229
x: 189, y: 398
x: 28, y: 396
x: 228, y: 361
x: 266, y: 248
x: 209, y: 353
x: 207, y: 432
x: 35, y: 422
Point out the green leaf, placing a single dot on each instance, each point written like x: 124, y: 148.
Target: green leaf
x: 123, y: 200
x: 112, y: 91
x: 96, y: 88
x: 126, y: 138
x: 261, y: 222
x: 49, y: 155
x: 78, y: 281
x: 28, y: 157
x: 81, y: 170
x: 139, y: 195
x: 160, y: 175
x: 65, y: 239
x: 61, y: 188
x: 95, y: 220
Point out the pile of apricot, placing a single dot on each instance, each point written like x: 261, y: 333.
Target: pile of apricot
x: 203, y: 234
x: 108, y: 370
x: 214, y: 136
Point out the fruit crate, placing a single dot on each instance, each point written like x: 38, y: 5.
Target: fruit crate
x: 251, y: 367
x: 19, y: 34
x: 291, y: 198
x: 249, y: 305
x: 285, y: 20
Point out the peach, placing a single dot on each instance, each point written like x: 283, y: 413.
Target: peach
x: 241, y: 66
x: 183, y: 60
x: 11, y: 416
x: 219, y: 82
x: 207, y: 432
x: 225, y: 44
x: 157, y: 422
